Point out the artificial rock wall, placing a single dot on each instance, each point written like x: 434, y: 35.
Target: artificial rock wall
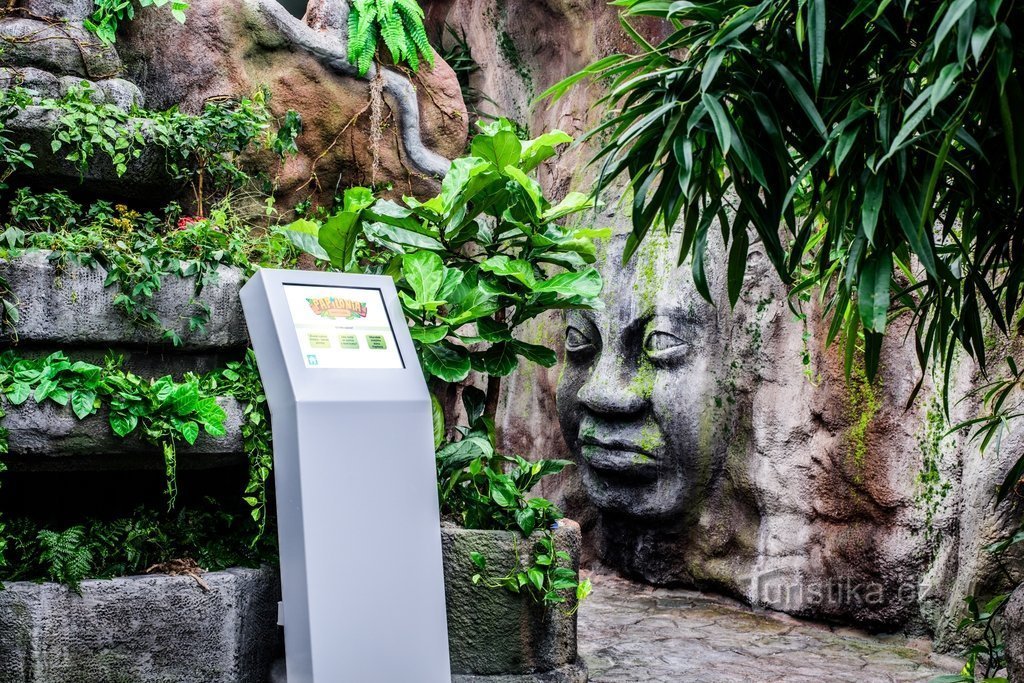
x: 773, y: 479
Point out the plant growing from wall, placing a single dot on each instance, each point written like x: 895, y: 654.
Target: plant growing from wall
x: 399, y: 23
x: 110, y: 14
x: 139, y: 251
x: 13, y: 154
x: 205, y: 151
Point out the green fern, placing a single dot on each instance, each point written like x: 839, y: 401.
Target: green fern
x: 66, y: 555
x: 399, y: 23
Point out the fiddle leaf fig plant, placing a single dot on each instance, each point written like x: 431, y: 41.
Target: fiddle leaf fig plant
x: 473, y: 264
x: 477, y: 261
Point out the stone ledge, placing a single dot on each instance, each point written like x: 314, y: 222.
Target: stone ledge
x: 143, y: 629
x: 146, y: 177
x: 568, y: 673
x: 72, y: 308
x: 49, y: 437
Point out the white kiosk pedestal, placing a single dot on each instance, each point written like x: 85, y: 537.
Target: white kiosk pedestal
x: 358, y: 520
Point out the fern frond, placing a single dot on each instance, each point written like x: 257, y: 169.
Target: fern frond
x: 412, y: 17
x: 67, y: 555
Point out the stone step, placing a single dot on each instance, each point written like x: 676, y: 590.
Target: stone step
x: 145, y: 629
x: 69, y: 307
x: 49, y: 437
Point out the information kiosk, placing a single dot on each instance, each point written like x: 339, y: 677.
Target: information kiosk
x: 361, y: 570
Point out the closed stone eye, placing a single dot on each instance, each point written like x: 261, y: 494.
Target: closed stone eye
x: 665, y: 345
x: 576, y: 341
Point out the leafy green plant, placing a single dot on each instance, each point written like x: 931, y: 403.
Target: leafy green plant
x: 13, y: 154
x: 471, y: 261
x: 987, y: 657
x: 87, y: 129
x: 472, y: 265
x: 206, y: 150
x: 139, y: 251
x: 398, y: 22
x: 241, y: 381
x: 546, y: 578
x: 483, y: 489
x: 110, y: 14
x: 213, y: 536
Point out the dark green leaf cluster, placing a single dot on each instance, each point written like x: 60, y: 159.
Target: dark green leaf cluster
x: 483, y: 489
x: 214, y: 537
x: 398, y: 22
x: 882, y: 137
x: 110, y: 14
x: 241, y: 381
x: 471, y: 261
x: 486, y: 490
x: 162, y: 411
x: 13, y: 155
x: 88, y: 129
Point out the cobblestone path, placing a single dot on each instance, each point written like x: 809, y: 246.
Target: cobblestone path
x: 631, y: 633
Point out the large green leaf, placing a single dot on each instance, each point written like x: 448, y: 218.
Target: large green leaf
x: 585, y: 283
x: 445, y: 361
x: 305, y: 234
x: 424, y: 271
x: 873, y: 291
x: 500, y: 150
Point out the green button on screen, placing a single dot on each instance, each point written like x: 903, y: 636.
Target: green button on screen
x: 349, y: 341
x: 376, y: 342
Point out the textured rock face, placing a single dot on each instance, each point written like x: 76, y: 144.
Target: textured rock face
x: 68, y: 306
x: 772, y: 478
x: 497, y: 636
x: 230, y: 48
x: 142, y: 629
x: 1014, y: 634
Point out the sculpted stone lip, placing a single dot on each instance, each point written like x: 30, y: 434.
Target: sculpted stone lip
x: 619, y: 458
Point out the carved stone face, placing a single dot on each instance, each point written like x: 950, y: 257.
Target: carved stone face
x: 636, y: 400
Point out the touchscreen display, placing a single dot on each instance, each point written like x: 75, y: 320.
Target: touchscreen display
x: 342, y: 327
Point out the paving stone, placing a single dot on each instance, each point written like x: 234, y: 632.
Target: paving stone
x: 630, y: 632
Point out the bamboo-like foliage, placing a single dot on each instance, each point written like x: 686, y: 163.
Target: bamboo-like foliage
x: 876, y: 149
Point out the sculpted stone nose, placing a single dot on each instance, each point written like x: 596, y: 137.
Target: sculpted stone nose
x: 609, y: 392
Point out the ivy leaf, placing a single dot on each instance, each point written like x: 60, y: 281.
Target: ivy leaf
x: 123, y: 424
x: 190, y: 432
x: 526, y: 519
x: 83, y: 403
x: 18, y: 393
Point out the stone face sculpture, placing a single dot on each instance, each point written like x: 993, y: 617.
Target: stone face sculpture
x: 637, y: 397
x: 642, y: 408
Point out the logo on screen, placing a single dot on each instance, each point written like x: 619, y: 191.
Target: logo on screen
x: 334, y: 308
